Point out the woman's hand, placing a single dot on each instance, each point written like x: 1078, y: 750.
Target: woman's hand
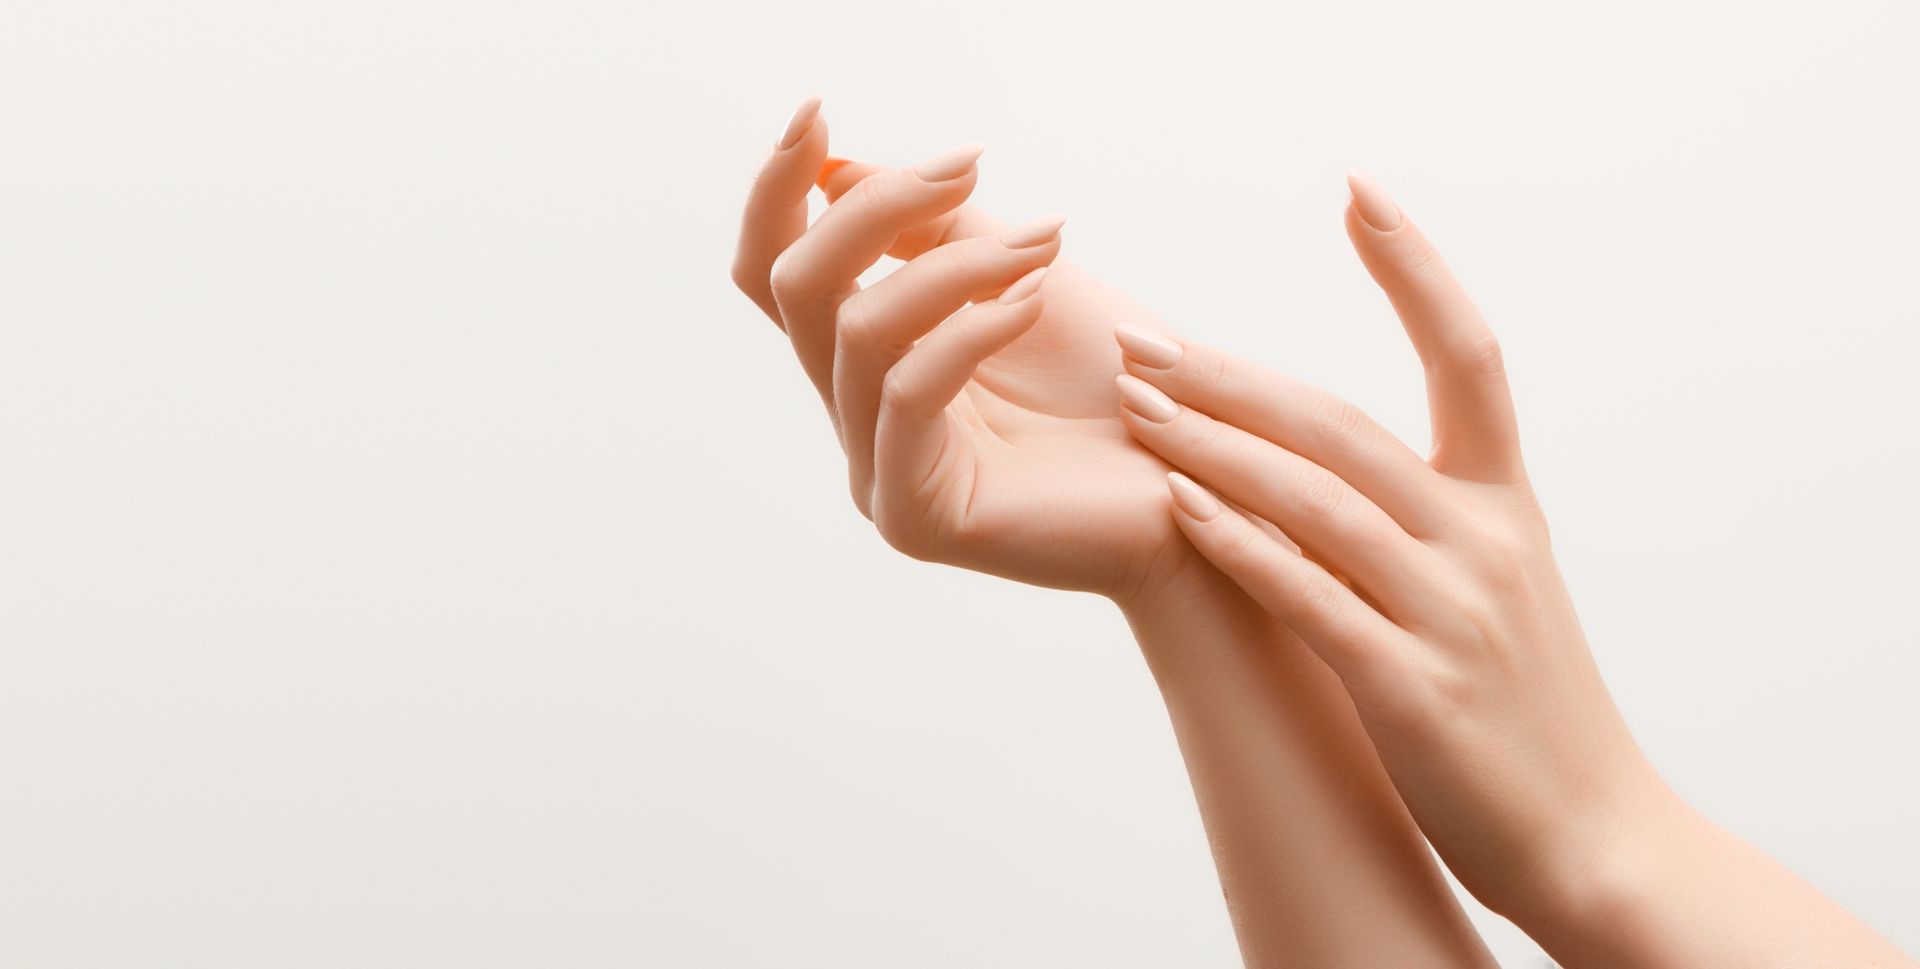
x: 1430, y: 589
x: 1428, y: 586
x: 973, y: 388
x: 988, y: 436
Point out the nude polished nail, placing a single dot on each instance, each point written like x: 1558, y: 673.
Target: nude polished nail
x: 801, y: 121
x: 1376, y: 208
x: 951, y: 164
x: 1026, y: 286
x: 1146, y: 346
x: 1040, y: 230
x: 1192, y: 499
x: 1144, y: 399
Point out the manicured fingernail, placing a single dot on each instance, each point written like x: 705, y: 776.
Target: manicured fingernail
x: 952, y: 164
x: 1024, y: 287
x: 1040, y: 230
x: 1146, y: 346
x: 1193, y: 499
x: 1373, y: 203
x: 1144, y: 399
x: 801, y: 121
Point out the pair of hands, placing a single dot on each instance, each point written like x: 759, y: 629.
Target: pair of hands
x: 1004, y: 411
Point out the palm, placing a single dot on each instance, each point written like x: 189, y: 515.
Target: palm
x: 1053, y: 490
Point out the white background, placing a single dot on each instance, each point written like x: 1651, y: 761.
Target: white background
x: 413, y: 553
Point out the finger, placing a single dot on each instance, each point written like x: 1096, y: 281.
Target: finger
x: 823, y: 267
x: 1347, y: 634
x: 1297, y: 416
x: 776, y: 211
x: 1333, y: 522
x: 878, y: 325
x: 1474, y: 431
x: 966, y: 222
x: 916, y: 430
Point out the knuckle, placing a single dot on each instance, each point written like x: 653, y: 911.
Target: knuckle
x: 1413, y: 703
x: 1426, y: 688
x: 1237, y: 550
x: 895, y: 388
x: 1449, y: 688
x: 745, y: 279
x: 1212, y: 370
x: 786, y: 275
x: 1503, y: 559
x: 1479, y: 613
x: 1334, y: 419
x: 1320, y: 494
x: 1480, y: 352
x: 1320, y: 597
x: 853, y: 322
x: 1203, y: 435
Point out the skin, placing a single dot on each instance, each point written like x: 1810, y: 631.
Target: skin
x: 1429, y: 587
x: 1374, y: 634
x: 973, y: 393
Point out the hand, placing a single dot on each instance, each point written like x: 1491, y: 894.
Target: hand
x: 1428, y: 586
x: 979, y: 431
x: 988, y: 436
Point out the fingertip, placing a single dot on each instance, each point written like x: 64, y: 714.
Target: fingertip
x: 1025, y: 287
x: 800, y: 122
x: 1041, y: 230
x: 1145, y: 400
x: 951, y: 164
x: 1196, y: 502
x: 1147, y: 347
x: 1015, y: 312
x: 1376, y: 208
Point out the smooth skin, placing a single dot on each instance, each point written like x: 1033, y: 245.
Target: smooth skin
x: 969, y: 440
x: 972, y: 391
x: 1430, y: 588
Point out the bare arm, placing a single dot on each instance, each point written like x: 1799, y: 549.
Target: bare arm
x: 972, y: 391
x: 1429, y: 585
x: 1320, y: 862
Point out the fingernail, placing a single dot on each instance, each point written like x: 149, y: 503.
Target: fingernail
x: 1375, y: 207
x: 952, y: 164
x: 1192, y: 499
x: 1146, y: 346
x: 1040, y: 230
x: 1026, y: 286
x: 1143, y: 399
x: 801, y: 121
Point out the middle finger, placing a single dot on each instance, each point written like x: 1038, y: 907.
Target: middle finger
x: 823, y: 268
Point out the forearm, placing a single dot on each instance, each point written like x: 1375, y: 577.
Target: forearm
x: 1670, y: 888
x: 1319, y: 861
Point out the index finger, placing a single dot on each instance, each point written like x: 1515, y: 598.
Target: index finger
x: 776, y: 212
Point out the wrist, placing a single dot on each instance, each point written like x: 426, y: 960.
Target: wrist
x: 1606, y: 862
x: 1183, y: 596
x: 1176, y: 581
x: 1196, y: 629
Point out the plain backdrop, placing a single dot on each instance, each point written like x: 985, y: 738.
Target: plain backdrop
x: 414, y: 553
